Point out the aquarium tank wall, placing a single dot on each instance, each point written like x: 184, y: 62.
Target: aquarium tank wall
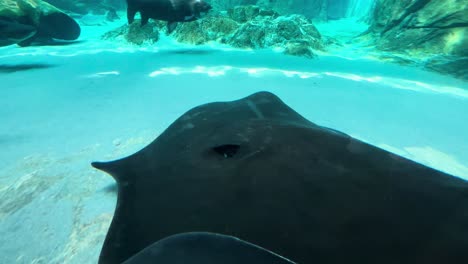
x: 234, y: 131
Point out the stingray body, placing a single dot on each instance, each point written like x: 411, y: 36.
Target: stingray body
x: 54, y: 29
x: 205, y: 248
x: 172, y: 11
x: 256, y: 169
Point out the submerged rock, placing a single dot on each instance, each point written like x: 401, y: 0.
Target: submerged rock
x: 283, y: 32
x: 423, y: 29
x: 299, y: 48
x: 247, y: 27
x: 243, y: 14
x: 136, y: 34
x: 215, y: 28
x: 457, y: 67
x: 251, y: 35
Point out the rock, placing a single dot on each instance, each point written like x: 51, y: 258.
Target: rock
x: 214, y: 28
x: 138, y: 35
x: 243, y: 14
x: 191, y: 32
x: 422, y: 28
x: 269, y: 32
x: 49, y: 21
x: 295, y: 33
x: 455, y: 66
x: 288, y: 29
x: 135, y: 33
x: 268, y: 12
x: 251, y: 35
x: 299, y: 48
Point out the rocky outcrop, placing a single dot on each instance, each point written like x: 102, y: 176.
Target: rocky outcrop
x: 215, y: 28
x: 313, y: 9
x: 248, y: 27
x: 457, y: 67
x: 49, y: 22
x: 283, y: 31
x: 426, y: 30
x: 136, y: 34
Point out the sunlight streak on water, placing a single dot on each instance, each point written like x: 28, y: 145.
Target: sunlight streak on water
x: 103, y: 74
x: 398, y: 83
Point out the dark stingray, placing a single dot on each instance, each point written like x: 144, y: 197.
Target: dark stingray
x: 9, y: 68
x: 54, y: 29
x: 256, y: 169
x: 205, y: 248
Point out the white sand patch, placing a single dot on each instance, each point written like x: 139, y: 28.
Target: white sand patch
x: 431, y: 157
x: 438, y: 159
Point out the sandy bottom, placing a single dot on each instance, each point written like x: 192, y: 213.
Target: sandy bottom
x: 101, y: 101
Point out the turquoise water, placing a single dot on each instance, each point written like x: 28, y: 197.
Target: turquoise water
x: 96, y: 101
x: 90, y: 98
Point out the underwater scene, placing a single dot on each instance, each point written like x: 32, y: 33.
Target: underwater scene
x: 234, y: 131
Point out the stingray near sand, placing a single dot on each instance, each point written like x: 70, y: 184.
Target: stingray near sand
x: 257, y: 170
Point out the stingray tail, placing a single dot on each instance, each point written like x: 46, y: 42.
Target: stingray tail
x: 113, y: 168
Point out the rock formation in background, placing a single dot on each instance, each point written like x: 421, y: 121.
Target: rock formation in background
x: 49, y: 22
x: 248, y: 27
x: 83, y: 7
x: 429, y: 30
x: 312, y: 9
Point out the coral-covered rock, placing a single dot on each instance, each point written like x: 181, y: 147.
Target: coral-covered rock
x: 288, y: 29
x: 49, y: 21
x: 191, y: 32
x: 214, y: 28
x: 269, y: 32
x: 136, y: 34
x: 299, y: 48
x: 455, y: 66
x: 268, y: 12
x: 251, y: 35
x: 139, y: 34
x: 295, y: 34
x: 243, y: 14
x: 422, y: 28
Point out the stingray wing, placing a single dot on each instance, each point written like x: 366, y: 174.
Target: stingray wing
x: 205, y: 248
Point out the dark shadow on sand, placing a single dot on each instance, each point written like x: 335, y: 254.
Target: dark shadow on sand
x: 8, y: 139
x: 191, y: 51
x: 41, y: 43
x: 10, y: 68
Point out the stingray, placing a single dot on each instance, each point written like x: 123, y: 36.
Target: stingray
x: 205, y: 248
x: 256, y: 169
